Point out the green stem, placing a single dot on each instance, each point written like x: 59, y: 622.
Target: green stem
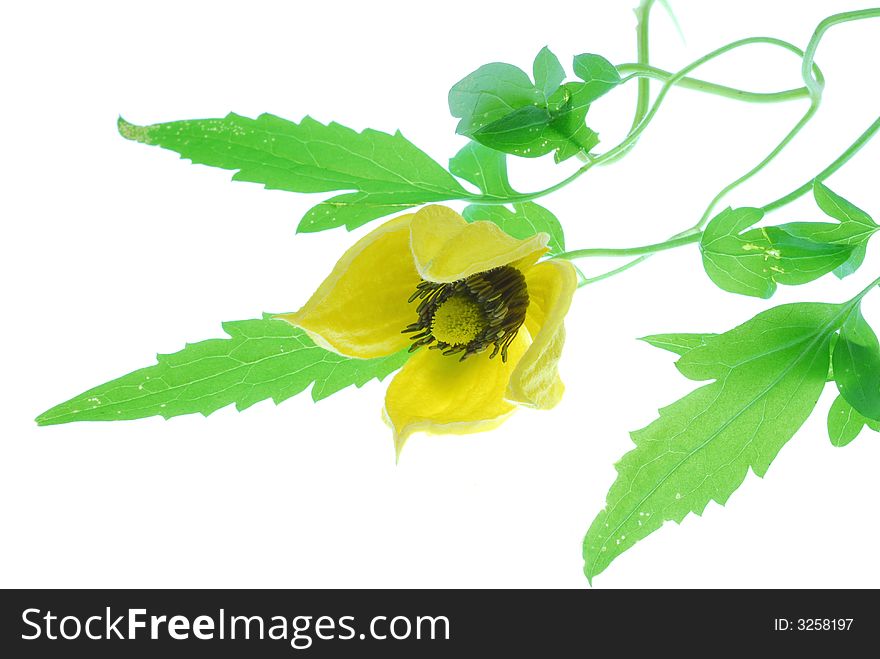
x: 630, y: 251
x: 646, y: 71
x: 612, y: 273
x: 814, y: 82
x: 672, y: 81
x: 643, y: 98
x: 642, y: 70
x: 839, y: 162
x: 644, y: 253
x: 643, y: 15
x: 870, y: 287
x: 694, y: 235
x: 803, y: 121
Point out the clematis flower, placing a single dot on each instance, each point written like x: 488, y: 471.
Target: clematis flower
x: 483, y: 316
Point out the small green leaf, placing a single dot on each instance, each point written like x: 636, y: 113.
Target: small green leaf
x: 680, y: 344
x: 490, y: 93
x: 518, y: 133
x: 856, y: 362
x: 752, y: 261
x: 845, y: 424
x: 854, y: 228
x: 500, y: 108
x: 523, y: 221
x: 484, y: 167
x: 386, y: 173
x: 569, y: 106
x: 599, y: 75
x: 768, y: 374
x: 534, y: 131
x: 548, y: 72
x: 853, y: 263
x: 261, y: 359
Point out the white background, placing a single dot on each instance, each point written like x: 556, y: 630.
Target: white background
x: 113, y: 251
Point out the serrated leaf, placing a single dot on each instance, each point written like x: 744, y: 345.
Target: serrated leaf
x: 262, y: 358
x: 768, y: 374
x: 523, y: 221
x: 752, y: 261
x: 548, y: 72
x: 680, y: 344
x: 384, y: 173
x: 599, y: 75
x: 491, y: 92
x: 484, y: 167
x: 856, y: 361
x: 845, y: 423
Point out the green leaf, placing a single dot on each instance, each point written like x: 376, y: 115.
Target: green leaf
x: 599, y: 75
x: 523, y: 221
x: 853, y: 263
x: 680, y: 344
x: 518, y: 132
x: 845, y: 423
x: 768, y: 374
x: 753, y: 261
x: 484, y: 167
x: 533, y: 131
x: 386, y: 173
x: 856, y: 361
x: 548, y: 72
x: 567, y: 128
x: 491, y: 92
x: 501, y: 108
x: 854, y: 228
x: 261, y: 359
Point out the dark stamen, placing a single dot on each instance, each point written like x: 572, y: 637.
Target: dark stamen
x: 502, y: 297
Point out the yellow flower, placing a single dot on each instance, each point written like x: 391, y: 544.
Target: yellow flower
x: 484, y: 318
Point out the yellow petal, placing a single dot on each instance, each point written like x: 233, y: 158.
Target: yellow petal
x: 361, y: 308
x: 535, y: 380
x: 447, y: 248
x: 440, y: 394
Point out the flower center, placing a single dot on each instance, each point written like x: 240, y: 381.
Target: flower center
x: 458, y: 320
x: 469, y: 315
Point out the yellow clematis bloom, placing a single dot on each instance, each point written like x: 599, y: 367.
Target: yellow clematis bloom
x: 484, y: 318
